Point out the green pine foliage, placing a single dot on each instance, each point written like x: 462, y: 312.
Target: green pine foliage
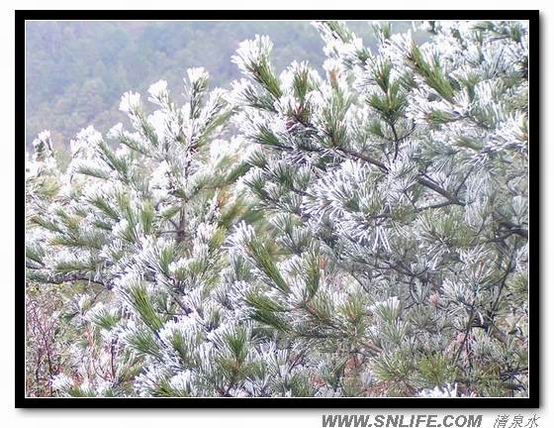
x: 359, y: 233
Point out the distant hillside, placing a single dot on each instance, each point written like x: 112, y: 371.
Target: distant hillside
x: 77, y: 71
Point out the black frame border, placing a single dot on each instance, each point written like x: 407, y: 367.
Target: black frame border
x: 534, y: 248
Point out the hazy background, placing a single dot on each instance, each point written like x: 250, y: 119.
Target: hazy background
x: 76, y: 71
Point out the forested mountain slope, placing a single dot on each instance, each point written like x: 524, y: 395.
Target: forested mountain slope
x: 76, y: 71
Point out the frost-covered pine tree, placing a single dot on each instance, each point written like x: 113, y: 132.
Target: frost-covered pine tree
x: 136, y: 224
x: 357, y: 233
x: 396, y: 191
